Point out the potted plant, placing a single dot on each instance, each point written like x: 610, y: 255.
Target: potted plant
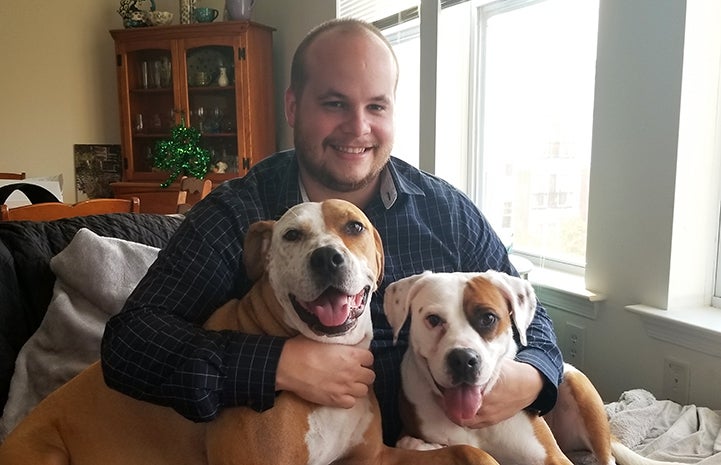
x: 181, y: 154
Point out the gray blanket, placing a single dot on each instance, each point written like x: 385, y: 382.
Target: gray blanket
x: 94, y: 276
x: 664, y: 430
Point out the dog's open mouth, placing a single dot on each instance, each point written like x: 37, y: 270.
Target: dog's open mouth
x: 460, y: 402
x: 334, y: 312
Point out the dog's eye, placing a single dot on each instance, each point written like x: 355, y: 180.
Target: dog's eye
x: 434, y: 320
x: 292, y: 235
x: 485, y: 319
x: 354, y: 227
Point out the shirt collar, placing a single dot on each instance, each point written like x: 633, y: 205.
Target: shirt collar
x: 388, y: 191
x: 392, y: 183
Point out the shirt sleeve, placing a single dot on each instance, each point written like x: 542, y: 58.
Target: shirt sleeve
x: 156, y: 350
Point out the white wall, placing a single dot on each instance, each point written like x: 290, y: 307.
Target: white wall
x: 632, y: 200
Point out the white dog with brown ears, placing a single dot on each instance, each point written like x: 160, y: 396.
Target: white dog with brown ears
x: 461, y: 330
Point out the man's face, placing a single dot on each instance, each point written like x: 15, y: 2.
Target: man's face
x: 343, y: 119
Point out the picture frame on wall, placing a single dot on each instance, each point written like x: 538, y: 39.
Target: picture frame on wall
x: 96, y: 166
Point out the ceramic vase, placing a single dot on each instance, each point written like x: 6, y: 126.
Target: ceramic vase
x: 239, y: 10
x: 186, y: 11
x: 223, y: 77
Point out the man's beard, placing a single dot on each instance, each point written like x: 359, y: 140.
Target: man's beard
x: 320, y: 173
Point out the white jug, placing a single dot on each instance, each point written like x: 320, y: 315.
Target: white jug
x: 239, y: 10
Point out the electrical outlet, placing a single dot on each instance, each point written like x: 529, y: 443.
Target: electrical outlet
x: 675, y: 380
x: 575, y: 345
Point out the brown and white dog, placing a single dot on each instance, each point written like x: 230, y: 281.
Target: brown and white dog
x: 460, y: 332
x: 316, y: 268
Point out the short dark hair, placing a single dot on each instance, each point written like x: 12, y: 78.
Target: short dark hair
x: 298, y: 75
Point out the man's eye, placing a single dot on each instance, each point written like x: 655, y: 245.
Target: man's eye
x: 292, y: 235
x: 334, y: 105
x: 376, y: 108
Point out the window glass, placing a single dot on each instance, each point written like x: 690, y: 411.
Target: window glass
x: 535, y: 71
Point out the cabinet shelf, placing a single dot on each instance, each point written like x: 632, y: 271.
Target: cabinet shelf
x: 203, y: 89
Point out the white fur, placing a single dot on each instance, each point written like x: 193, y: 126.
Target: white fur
x: 442, y: 294
x: 288, y: 260
x: 512, y: 441
x: 326, y: 444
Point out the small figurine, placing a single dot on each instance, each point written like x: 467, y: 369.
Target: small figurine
x: 220, y: 167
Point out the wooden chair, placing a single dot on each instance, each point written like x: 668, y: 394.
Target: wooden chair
x: 195, y: 189
x: 162, y: 201
x: 55, y: 210
x: 12, y: 175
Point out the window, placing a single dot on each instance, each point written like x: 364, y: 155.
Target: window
x: 534, y: 71
x: 514, y: 104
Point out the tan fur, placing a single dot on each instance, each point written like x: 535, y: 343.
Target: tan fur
x: 94, y: 425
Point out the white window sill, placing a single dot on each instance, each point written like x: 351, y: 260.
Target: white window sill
x: 565, y: 291
x: 698, y: 329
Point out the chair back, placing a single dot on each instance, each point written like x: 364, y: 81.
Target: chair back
x: 49, y: 211
x: 196, y: 190
x: 12, y: 175
x: 162, y: 201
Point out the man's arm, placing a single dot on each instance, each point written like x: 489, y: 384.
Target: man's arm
x: 156, y: 349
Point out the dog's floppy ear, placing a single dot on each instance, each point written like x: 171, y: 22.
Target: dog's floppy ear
x: 397, y: 300
x: 521, y: 297
x: 255, y: 249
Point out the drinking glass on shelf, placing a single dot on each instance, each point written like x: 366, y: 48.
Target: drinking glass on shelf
x: 157, y: 73
x: 144, y: 74
x: 166, y: 72
x: 199, y: 120
x: 139, y: 128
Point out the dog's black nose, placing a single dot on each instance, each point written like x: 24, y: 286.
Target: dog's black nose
x: 326, y: 261
x: 464, y: 365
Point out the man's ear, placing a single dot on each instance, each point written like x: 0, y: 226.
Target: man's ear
x: 256, y: 245
x: 290, y: 107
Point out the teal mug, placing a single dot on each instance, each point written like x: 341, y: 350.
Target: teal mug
x: 205, y: 15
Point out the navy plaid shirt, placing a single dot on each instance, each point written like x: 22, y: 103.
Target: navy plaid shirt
x: 154, y: 349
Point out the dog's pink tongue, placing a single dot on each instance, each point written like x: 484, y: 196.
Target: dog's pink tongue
x: 332, y: 308
x: 462, y: 402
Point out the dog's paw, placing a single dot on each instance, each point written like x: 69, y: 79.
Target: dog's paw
x: 408, y: 442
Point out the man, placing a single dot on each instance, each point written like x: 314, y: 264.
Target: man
x: 340, y: 104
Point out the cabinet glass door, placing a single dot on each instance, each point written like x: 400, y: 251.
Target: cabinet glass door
x: 212, y: 104
x: 150, y: 77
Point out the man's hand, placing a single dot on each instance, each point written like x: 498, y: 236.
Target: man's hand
x: 328, y: 374
x: 518, y: 387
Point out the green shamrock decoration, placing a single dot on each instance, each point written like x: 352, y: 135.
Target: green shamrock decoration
x: 181, y: 155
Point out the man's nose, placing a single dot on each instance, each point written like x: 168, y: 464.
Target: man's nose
x: 357, y: 122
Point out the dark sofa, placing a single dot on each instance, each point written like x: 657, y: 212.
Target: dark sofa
x: 26, y: 281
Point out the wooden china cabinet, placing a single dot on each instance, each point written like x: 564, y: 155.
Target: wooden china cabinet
x: 215, y: 76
